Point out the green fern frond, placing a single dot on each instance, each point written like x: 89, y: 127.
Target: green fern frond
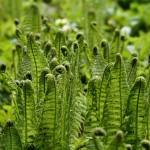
x: 14, y: 8
x: 10, y: 137
x: 103, y: 92
x: 145, y: 144
x: 60, y: 40
x: 117, y: 142
x: 91, y: 17
x: 115, y: 45
x: 60, y: 74
x: 24, y: 66
x: 28, y: 128
x: 96, y: 140
x: 79, y: 110
x: 92, y: 101
x: 83, y: 51
x: 115, y: 104
x: 42, y: 83
x: 136, y: 113
x: 98, y: 63
x: 148, y: 100
x: 106, y: 50
x: 46, y: 138
x: 19, y: 113
x: 38, y: 60
x: 132, y: 71
x: 32, y: 19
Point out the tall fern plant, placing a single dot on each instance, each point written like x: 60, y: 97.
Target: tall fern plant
x: 73, y: 94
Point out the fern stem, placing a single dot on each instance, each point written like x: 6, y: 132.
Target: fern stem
x: 10, y: 136
x: 120, y: 94
x: 30, y: 40
x: 25, y: 114
x: 136, y: 122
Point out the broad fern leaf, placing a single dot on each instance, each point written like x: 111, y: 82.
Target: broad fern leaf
x: 38, y: 60
x: 117, y: 142
x: 92, y: 101
x: 32, y: 19
x: 132, y: 71
x: 136, y: 113
x: 11, y: 138
x: 115, y: 104
x: 47, y: 128
x: 103, y: 92
x: 60, y: 40
x: 98, y: 63
x: 115, y: 45
x: 28, y: 130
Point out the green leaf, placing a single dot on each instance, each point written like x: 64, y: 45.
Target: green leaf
x: 117, y: 142
x: 136, y: 113
x: 92, y: 101
x: 38, y: 60
x: 115, y: 104
x: 46, y: 138
x: 32, y: 19
x: 28, y: 130
x: 60, y: 40
x: 115, y: 45
x: 132, y: 71
x: 11, y: 137
x: 98, y: 63
x: 103, y: 92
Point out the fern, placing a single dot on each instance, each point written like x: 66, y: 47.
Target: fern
x: 91, y: 17
x: 37, y: 58
x: 79, y: 109
x: 132, y: 71
x: 92, y: 100
x: 135, y: 113
x: 98, y: 63
x: 106, y: 50
x: 115, y: 45
x: 42, y: 83
x: 148, y: 99
x: 28, y: 130
x: 60, y: 40
x: 117, y: 142
x: 32, y: 19
x: 114, y: 108
x: 11, y: 138
x: 24, y: 66
x: 46, y: 138
x: 103, y: 92
x: 14, y: 8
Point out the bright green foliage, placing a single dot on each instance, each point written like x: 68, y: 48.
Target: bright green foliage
x: 28, y: 128
x: 10, y: 137
x: 106, y: 50
x: 47, y: 129
x: 135, y: 113
x: 60, y: 40
x: 24, y: 66
x: 132, y: 71
x: 14, y: 8
x: 93, y: 99
x: 103, y: 92
x: 148, y: 99
x: 32, y: 19
x: 115, y: 45
x: 117, y: 142
x: 38, y: 61
x: 98, y: 63
x: 115, y: 103
x: 68, y: 89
